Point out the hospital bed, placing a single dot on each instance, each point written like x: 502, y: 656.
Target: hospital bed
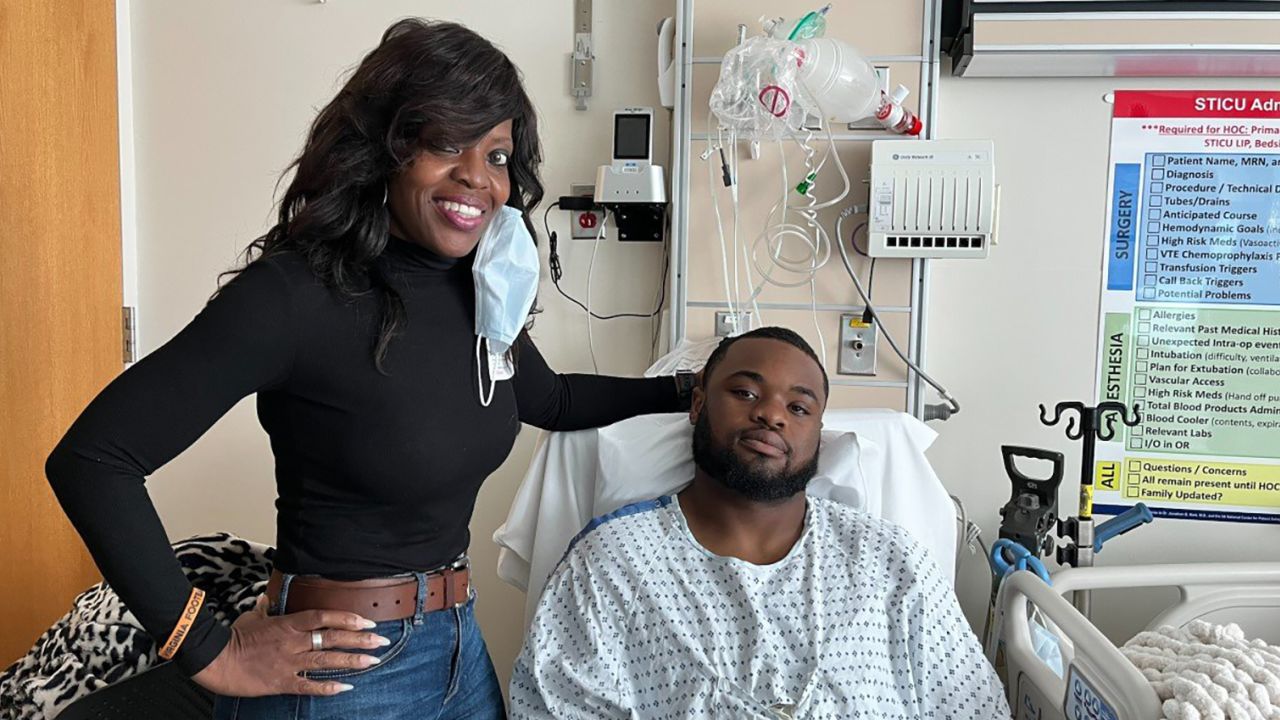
x: 870, y: 459
x: 874, y: 460
x: 1097, y: 681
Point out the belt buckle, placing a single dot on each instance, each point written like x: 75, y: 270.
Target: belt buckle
x: 462, y: 562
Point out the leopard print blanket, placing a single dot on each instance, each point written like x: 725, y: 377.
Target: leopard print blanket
x: 100, y: 643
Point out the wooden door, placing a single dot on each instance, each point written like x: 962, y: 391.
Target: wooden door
x: 60, y: 285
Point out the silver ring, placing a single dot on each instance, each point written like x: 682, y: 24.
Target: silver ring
x: 317, y: 640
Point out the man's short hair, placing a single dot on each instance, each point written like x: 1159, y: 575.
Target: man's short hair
x: 767, y: 333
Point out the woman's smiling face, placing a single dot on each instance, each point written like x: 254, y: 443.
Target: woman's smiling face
x: 444, y: 199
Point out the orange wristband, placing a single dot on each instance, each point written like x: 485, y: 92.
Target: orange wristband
x: 185, y: 622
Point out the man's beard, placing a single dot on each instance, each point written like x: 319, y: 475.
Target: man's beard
x: 750, y: 480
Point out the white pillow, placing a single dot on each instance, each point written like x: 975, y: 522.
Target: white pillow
x: 652, y: 455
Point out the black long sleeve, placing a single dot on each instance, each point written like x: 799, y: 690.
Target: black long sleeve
x: 238, y: 345
x: 576, y: 402
x: 376, y: 472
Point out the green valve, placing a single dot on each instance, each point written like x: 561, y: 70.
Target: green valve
x: 807, y: 183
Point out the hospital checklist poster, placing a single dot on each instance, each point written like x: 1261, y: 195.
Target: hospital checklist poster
x: 1189, y: 326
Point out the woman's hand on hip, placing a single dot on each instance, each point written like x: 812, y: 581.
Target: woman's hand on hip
x: 267, y: 653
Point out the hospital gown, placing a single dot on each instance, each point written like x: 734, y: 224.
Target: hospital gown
x: 641, y: 621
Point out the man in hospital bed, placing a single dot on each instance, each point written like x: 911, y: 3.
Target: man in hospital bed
x: 740, y: 597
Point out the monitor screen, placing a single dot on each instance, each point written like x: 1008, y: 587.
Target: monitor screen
x: 631, y: 137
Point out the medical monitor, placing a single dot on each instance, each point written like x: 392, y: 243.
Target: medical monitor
x: 632, y: 138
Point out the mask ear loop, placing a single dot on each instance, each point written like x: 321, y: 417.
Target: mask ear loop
x: 484, y: 402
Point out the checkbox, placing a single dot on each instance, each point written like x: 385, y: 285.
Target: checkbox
x: 1141, y: 367
x: 1149, y: 294
x: 1143, y: 353
x: 1157, y: 161
x: 1157, y: 188
x: 1144, y: 313
x: 1131, y: 491
x: 1153, y: 240
x: 1143, y: 341
x: 1136, y: 431
x: 1156, y: 201
x: 1149, y: 280
x: 1153, y: 214
x: 1135, y: 444
x: 1139, y: 393
x: 1153, y: 253
x: 1135, y: 466
x: 1152, y: 267
x: 1157, y: 174
x: 1153, y: 227
x: 1144, y: 327
x: 1140, y: 379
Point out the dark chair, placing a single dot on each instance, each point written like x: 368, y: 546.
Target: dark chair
x: 161, y: 693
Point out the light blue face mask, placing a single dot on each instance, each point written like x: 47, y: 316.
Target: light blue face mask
x: 506, y: 279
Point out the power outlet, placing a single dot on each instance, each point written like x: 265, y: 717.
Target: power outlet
x: 585, y: 224
x: 857, y: 346
x: 728, y: 323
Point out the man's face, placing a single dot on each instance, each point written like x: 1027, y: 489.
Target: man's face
x: 758, y: 420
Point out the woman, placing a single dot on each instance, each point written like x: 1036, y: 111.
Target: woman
x: 374, y: 333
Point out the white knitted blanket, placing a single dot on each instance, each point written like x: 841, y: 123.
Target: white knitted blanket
x: 1209, y: 672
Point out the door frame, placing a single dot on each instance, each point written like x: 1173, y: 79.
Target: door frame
x: 128, y: 166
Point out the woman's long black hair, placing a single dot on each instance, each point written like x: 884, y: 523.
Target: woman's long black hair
x: 427, y: 86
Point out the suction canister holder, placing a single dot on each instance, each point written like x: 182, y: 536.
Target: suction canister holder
x: 1031, y: 515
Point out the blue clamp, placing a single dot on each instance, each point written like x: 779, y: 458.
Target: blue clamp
x: 1020, y: 559
x: 1135, y: 516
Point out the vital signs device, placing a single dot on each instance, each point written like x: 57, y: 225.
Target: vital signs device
x: 631, y: 177
x: 631, y: 187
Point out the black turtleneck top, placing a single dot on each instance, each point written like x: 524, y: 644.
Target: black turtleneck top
x: 376, y: 472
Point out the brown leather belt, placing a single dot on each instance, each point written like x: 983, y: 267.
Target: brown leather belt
x: 377, y: 599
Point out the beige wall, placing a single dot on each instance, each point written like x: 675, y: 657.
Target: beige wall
x: 1020, y: 328
x: 224, y: 93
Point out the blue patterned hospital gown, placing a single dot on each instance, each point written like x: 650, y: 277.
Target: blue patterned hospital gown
x: 640, y: 621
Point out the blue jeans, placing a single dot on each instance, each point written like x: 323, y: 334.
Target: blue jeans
x: 436, y: 668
